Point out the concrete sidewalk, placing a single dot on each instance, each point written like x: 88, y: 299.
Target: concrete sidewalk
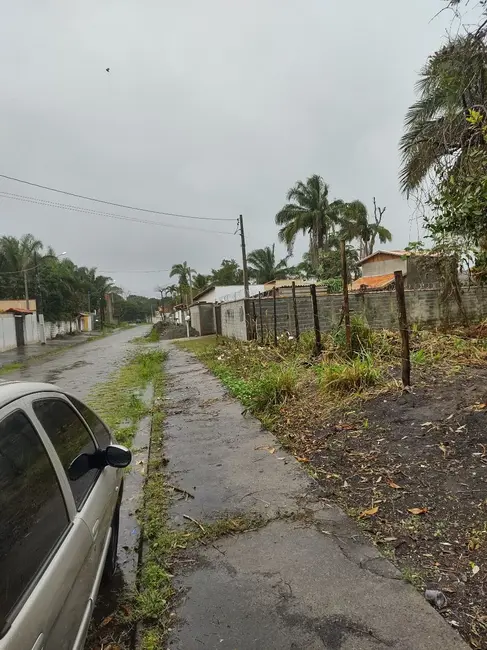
x: 295, y: 583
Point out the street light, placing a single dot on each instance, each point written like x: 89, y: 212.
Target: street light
x: 40, y: 315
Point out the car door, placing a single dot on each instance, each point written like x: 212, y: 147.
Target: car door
x: 42, y: 541
x: 94, y: 495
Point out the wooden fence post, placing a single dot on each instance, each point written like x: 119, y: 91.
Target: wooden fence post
x: 403, y: 328
x: 261, y: 320
x: 274, y: 296
x: 316, y: 319
x: 295, y: 308
x: 346, y: 304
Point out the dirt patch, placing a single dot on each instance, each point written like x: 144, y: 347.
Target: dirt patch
x: 413, y: 469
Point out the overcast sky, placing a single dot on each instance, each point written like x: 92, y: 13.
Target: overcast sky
x: 210, y: 108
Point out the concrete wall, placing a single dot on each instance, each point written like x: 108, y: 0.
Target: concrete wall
x: 381, y: 267
x: 59, y: 328
x: 8, y: 339
x: 31, y: 333
x: 234, y: 324
x: 377, y: 308
x: 203, y: 319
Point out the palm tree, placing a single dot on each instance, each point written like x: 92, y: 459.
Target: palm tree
x: 185, y: 274
x: 263, y: 266
x: 438, y: 130
x: 18, y: 254
x: 356, y: 225
x: 309, y: 212
x: 17, y: 257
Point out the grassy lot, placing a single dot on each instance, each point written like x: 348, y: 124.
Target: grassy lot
x: 411, y: 468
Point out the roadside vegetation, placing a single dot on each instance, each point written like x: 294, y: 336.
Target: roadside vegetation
x: 411, y: 468
x: 145, y: 612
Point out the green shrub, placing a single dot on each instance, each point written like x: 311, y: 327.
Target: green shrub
x: 348, y: 376
x: 274, y: 387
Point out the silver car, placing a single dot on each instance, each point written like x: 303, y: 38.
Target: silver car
x: 60, y: 492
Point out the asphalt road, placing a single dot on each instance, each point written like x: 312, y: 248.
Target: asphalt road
x: 80, y: 368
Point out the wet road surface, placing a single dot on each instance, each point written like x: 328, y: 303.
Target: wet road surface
x: 312, y: 582
x: 80, y: 368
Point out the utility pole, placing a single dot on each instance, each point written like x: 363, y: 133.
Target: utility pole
x: 26, y: 290
x: 244, y: 257
x: 190, y: 287
x: 39, y: 308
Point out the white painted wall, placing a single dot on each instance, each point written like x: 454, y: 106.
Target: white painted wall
x: 230, y: 293
x: 31, y: 334
x: 384, y: 267
x: 8, y: 339
x: 60, y: 327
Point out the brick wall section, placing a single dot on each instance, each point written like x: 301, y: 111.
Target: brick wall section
x: 378, y: 309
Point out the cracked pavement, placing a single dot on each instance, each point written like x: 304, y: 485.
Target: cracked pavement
x: 308, y: 578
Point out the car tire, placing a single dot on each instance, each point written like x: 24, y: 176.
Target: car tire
x: 111, y: 559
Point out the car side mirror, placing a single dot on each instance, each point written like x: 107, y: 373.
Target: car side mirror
x: 118, y: 456
x: 80, y: 466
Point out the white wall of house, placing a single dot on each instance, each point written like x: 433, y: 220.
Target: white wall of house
x: 383, y: 267
x: 230, y: 293
x: 31, y: 334
x: 60, y: 327
x: 8, y: 338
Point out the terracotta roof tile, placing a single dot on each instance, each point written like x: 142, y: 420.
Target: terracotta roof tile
x: 373, y: 281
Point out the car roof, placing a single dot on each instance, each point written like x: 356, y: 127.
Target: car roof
x: 12, y: 390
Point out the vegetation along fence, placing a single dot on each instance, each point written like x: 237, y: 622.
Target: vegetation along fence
x: 265, y: 318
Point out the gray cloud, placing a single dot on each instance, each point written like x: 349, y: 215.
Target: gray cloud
x: 210, y: 108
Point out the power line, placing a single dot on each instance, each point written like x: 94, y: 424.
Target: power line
x: 111, y: 215
x: 134, y: 271
x: 118, y: 205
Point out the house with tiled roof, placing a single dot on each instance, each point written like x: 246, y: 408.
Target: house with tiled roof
x: 420, y: 269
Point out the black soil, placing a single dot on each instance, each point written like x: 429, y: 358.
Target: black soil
x: 421, y: 460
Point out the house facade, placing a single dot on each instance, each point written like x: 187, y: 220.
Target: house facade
x: 420, y: 270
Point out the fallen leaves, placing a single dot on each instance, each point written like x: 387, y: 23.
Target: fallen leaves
x: 418, y: 511
x: 393, y: 485
x: 302, y: 459
x: 369, y: 513
x: 475, y: 568
x: 271, y: 450
x: 479, y: 407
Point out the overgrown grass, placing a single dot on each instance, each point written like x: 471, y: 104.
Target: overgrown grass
x: 119, y: 401
x: 264, y: 377
x: 350, y: 375
x: 152, y: 337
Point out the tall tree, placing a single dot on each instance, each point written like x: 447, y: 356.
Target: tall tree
x: 185, y: 274
x: 263, y: 266
x: 439, y: 129
x: 356, y: 225
x: 200, y: 282
x: 228, y: 274
x: 309, y: 212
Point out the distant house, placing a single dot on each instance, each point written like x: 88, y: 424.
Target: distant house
x: 420, y: 269
x: 214, y: 294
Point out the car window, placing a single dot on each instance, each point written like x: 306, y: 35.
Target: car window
x: 99, y: 430
x: 33, y: 512
x: 70, y: 438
